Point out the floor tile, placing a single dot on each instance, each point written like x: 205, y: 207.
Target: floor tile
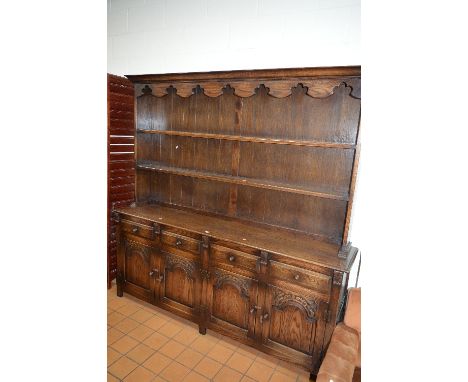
x: 113, y: 335
x: 140, y: 374
x: 247, y: 379
x: 116, y: 304
x: 220, y: 353
x: 111, y: 378
x: 157, y: 362
x: 195, y: 377
x: 280, y: 377
x: 155, y: 341
x: 172, y: 349
x: 175, y: 372
x: 239, y: 362
x: 141, y: 332
x: 140, y: 353
x: 129, y: 309
x: 248, y: 351
x: 155, y: 322
x: 203, y: 344
x: 259, y: 372
x: 114, y: 318
x: 112, y: 355
x: 124, y: 345
x: 127, y: 325
x: 141, y: 316
x: 227, y: 374
x: 122, y: 367
x: 208, y: 367
x: 187, y: 335
x: 170, y: 329
x: 189, y: 358
x: 289, y: 369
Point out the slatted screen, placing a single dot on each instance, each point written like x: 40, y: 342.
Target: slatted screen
x: 120, y: 158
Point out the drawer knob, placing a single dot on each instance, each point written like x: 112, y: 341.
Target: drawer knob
x: 296, y: 277
x: 178, y: 242
x: 231, y: 258
x: 135, y: 229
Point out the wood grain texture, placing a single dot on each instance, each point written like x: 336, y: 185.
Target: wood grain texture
x: 244, y: 187
x: 120, y: 173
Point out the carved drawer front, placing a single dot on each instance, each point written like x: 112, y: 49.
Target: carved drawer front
x: 233, y: 260
x: 180, y: 241
x: 138, y: 229
x: 300, y: 277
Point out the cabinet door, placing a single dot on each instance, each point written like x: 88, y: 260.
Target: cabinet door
x: 179, y: 283
x: 292, y: 322
x: 139, y: 258
x: 232, y: 300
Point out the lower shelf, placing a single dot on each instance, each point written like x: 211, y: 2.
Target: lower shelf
x: 251, y: 182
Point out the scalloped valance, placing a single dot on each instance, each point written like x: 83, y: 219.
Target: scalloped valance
x: 316, y: 88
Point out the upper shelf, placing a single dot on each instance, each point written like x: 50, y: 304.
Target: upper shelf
x: 260, y: 183
x: 229, y: 137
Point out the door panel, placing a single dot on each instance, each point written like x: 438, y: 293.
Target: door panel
x: 179, y: 283
x: 139, y: 258
x: 293, y: 318
x: 231, y: 300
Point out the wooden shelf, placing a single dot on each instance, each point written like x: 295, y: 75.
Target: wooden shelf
x: 260, y: 183
x: 228, y: 137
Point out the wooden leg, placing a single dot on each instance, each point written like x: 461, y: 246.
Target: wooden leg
x: 119, y: 280
x: 201, y: 329
x: 313, y: 377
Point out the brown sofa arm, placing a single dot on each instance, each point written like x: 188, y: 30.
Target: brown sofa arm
x: 342, y: 354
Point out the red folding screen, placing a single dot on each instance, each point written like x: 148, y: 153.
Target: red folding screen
x: 120, y: 158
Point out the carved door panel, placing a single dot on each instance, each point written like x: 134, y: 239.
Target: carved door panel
x: 293, y: 318
x: 232, y: 300
x: 139, y: 258
x: 179, y: 283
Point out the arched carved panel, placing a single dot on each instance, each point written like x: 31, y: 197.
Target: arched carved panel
x: 241, y: 284
x: 282, y: 299
x: 133, y: 248
x: 182, y: 263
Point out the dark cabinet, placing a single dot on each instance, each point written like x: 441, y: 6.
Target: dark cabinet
x: 244, y: 191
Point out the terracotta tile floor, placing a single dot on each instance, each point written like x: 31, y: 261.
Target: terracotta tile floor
x: 145, y: 343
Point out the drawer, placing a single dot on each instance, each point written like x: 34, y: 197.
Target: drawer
x: 180, y: 241
x: 300, y: 277
x: 137, y: 229
x: 233, y: 260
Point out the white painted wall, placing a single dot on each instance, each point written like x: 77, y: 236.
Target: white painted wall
x: 161, y: 36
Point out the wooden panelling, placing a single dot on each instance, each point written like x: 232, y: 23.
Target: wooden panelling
x: 120, y: 157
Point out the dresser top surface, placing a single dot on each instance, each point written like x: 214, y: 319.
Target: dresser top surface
x: 271, y: 239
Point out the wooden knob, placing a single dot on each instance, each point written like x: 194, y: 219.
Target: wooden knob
x: 296, y: 277
x: 231, y: 258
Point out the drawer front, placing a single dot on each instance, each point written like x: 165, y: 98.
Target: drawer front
x: 137, y: 229
x: 300, y: 277
x: 232, y: 260
x: 180, y: 242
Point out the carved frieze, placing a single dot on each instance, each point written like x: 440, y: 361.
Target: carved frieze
x: 316, y: 88
x: 241, y: 284
x: 282, y: 299
x: 133, y: 247
x: 182, y: 263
